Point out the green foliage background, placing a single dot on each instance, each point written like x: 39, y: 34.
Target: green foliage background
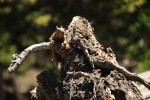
x: 124, y: 25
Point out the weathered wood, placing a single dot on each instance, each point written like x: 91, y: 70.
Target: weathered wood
x: 89, y: 71
x: 82, y: 77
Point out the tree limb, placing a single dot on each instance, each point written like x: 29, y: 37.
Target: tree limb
x: 18, y: 59
x: 124, y: 71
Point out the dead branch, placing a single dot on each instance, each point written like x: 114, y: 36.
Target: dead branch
x: 18, y: 59
x: 131, y: 76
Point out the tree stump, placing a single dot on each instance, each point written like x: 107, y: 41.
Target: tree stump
x: 89, y: 71
x: 79, y: 79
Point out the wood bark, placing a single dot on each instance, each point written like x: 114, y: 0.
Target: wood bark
x: 88, y: 70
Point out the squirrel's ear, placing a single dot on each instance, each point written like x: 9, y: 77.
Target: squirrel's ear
x: 61, y: 29
x: 58, y: 35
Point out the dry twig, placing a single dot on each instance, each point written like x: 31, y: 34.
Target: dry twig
x: 18, y: 59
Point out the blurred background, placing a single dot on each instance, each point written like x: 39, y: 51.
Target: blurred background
x: 123, y: 25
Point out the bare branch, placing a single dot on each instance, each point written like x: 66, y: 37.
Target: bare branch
x: 18, y: 59
x: 131, y: 76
